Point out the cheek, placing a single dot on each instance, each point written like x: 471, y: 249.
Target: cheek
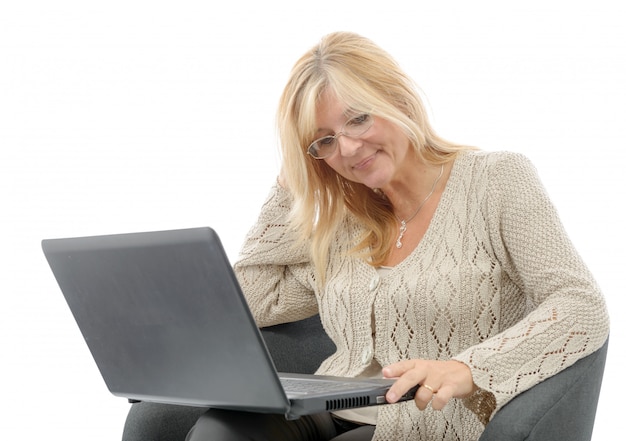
x: 337, y: 166
x: 334, y: 163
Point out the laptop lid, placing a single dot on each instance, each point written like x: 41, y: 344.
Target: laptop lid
x: 165, y: 319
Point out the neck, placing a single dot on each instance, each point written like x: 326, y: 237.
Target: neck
x: 408, y: 195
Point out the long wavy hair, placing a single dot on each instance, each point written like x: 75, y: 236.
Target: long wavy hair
x: 366, y: 79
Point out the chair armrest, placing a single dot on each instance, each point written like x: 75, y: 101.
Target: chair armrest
x: 561, y: 407
x: 298, y: 347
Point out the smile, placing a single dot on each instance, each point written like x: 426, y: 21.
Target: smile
x: 364, y: 163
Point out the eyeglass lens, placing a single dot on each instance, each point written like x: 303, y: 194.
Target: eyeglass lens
x: 354, y: 127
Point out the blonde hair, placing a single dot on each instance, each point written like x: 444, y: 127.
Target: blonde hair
x: 366, y: 79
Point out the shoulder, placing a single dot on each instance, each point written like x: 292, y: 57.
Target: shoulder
x: 500, y: 168
x: 493, y: 160
x: 496, y: 180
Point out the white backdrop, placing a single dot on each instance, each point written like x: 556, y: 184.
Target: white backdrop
x: 130, y: 115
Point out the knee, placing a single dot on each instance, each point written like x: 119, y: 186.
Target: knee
x: 216, y: 424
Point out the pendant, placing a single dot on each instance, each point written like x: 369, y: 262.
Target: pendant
x: 402, y: 231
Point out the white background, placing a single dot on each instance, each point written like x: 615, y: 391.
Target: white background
x: 120, y: 116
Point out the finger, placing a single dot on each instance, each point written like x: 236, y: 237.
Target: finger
x: 398, y: 369
x: 424, y: 395
x: 442, y: 397
x: 402, y: 385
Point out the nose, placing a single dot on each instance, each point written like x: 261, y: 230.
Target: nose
x: 348, y: 146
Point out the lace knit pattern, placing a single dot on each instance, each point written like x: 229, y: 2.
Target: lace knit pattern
x: 495, y: 283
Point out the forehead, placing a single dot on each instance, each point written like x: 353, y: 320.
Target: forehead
x: 331, y: 112
x: 329, y: 104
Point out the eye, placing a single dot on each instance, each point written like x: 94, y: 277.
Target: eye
x: 327, y: 140
x: 359, y: 120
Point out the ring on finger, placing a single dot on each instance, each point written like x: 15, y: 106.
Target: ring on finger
x: 433, y: 391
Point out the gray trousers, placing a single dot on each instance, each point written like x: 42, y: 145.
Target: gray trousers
x: 226, y: 425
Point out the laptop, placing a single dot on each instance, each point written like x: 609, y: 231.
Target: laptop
x: 166, y: 321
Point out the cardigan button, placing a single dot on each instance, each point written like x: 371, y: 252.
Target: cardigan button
x: 374, y: 283
x: 366, y: 355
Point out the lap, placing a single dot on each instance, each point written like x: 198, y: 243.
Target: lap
x: 226, y: 425
x: 362, y: 433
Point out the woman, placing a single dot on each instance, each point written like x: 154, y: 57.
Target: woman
x: 429, y: 262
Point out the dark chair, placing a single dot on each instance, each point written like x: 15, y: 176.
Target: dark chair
x: 561, y: 408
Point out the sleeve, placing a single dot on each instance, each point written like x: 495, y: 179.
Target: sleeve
x: 274, y: 268
x: 567, y: 318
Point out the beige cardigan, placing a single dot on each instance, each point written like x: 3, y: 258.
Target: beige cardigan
x: 494, y: 283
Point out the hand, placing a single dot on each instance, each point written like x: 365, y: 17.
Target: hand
x: 439, y: 381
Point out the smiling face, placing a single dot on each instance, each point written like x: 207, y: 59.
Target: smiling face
x: 377, y: 158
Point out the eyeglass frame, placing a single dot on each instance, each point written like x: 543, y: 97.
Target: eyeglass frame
x: 335, y: 137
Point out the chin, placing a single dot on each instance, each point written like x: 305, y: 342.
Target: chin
x: 373, y: 184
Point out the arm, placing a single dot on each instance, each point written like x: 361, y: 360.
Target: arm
x: 273, y: 268
x: 567, y: 317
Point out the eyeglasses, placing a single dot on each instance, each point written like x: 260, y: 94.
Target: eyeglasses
x: 356, y: 126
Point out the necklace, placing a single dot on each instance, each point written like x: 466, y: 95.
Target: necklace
x: 403, y: 222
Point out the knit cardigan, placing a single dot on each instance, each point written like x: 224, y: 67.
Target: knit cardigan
x: 495, y: 283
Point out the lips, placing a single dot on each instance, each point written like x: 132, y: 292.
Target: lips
x: 365, y: 162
